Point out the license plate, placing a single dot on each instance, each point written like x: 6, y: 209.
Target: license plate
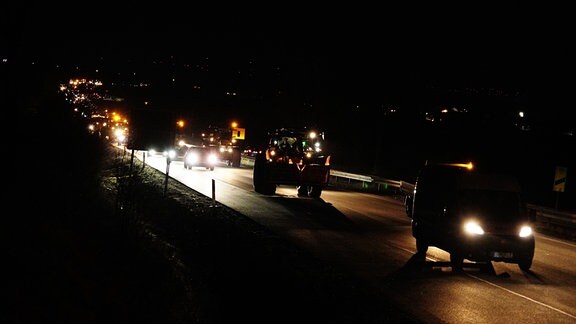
x: 502, y: 255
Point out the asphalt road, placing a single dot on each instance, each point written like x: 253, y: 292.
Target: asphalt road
x: 370, y: 236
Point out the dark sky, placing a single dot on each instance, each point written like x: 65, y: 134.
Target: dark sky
x: 348, y: 48
x: 443, y: 38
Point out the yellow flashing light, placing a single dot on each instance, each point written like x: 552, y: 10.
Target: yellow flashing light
x: 468, y: 165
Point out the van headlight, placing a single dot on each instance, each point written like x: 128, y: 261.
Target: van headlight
x: 472, y: 227
x: 525, y: 231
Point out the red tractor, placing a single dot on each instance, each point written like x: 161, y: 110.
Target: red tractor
x: 292, y: 157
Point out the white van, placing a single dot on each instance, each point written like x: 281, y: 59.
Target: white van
x: 471, y: 215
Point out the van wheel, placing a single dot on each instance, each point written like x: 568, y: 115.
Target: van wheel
x: 525, y: 265
x: 456, y: 261
x: 421, y: 246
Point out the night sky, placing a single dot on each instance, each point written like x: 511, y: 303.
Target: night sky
x: 328, y: 57
x: 483, y: 45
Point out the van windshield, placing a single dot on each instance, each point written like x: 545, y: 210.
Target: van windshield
x: 490, y: 204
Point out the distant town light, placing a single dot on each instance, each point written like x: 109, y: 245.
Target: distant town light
x: 521, y: 114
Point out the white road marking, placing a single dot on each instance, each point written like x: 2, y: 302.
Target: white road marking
x: 522, y: 296
x: 505, y: 289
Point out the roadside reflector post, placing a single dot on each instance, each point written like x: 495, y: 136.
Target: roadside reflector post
x: 166, y: 177
x: 143, y: 159
x: 213, y: 193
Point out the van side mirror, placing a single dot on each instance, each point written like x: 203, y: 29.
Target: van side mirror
x: 408, y: 205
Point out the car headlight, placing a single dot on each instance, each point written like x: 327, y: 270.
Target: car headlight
x: 171, y: 154
x: 472, y: 227
x: 212, y: 159
x: 525, y: 231
x: 192, y: 158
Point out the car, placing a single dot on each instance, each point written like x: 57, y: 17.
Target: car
x: 479, y: 216
x: 200, y: 156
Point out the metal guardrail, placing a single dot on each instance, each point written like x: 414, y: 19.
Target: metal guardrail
x: 351, y: 176
x: 549, y: 220
x: 377, y: 183
x: 363, y: 182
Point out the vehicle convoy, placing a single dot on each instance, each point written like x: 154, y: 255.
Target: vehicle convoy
x: 228, y: 141
x: 470, y: 214
x: 292, y: 157
x: 222, y: 144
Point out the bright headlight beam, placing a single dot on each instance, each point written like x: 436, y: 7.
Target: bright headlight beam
x: 472, y: 227
x: 525, y: 231
x: 212, y: 159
